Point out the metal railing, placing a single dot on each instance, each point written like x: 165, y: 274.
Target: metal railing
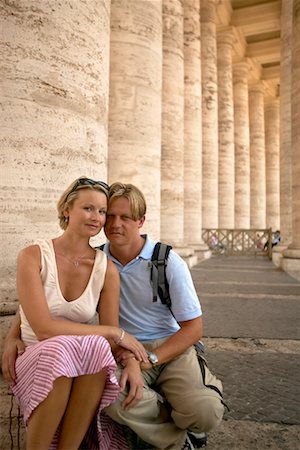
x: 239, y: 241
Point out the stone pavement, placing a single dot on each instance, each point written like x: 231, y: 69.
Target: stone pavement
x: 251, y: 334
x: 252, y: 338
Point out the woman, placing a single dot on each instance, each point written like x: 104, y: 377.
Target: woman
x: 66, y: 375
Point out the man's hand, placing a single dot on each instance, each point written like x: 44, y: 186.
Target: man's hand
x: 12, y: 348
x: 132, y: 377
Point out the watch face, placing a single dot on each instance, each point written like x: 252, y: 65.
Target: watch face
x: 152, y: 358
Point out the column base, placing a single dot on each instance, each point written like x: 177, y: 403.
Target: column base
x: 192, y: 253
x: 291, y: 262
x: 202, y: 251
x: 187, y: 254
x: 277, y: 254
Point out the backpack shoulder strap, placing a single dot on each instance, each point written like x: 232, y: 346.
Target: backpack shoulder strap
x: 159, y: 280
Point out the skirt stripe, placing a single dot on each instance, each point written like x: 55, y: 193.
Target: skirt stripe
x: 70, y: 356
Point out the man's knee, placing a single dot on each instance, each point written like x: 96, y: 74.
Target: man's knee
x: 147, y: 407
x: 201, y: 413
x: 209, y: 413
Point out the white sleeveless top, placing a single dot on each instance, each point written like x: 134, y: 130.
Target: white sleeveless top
x: 82, y: 309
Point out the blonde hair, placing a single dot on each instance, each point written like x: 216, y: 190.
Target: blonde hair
x: 135, y: 197
x: 71, y: 194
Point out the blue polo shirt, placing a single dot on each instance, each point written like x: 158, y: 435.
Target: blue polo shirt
x: 139, y: 315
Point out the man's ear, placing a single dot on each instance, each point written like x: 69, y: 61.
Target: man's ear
x: 141, y: 221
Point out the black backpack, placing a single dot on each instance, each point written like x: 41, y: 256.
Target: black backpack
x: 160, y: 286
x: 158, y: 278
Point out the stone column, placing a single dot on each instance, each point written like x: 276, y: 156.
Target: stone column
x: 54, y: 104
x: 192, y: 124
x: 54, y: 101
x: 242, y: 145
x: 209, y: 114
x: 172, y: 164
x: 257, y: 157
x: 226, y: 130
x: 291, y: 256
x: 285, y: 125
x: 135, y: 101
x: 272, y: 164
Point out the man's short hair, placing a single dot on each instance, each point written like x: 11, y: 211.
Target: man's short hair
x: 135, y: 197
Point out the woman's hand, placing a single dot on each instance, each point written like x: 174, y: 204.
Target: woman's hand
x: 12, y: 348
x: 129, y: 342
x: 132, y: 378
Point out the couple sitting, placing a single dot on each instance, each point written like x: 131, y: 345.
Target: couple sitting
x: 137, y: 366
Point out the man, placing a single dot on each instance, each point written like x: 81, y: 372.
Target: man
x: 163, y: 401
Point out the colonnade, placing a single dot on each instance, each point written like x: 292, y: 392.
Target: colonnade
x: 148, y: 92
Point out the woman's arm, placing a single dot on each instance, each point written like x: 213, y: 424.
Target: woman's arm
x: 13, y: 346
x: 32, y: 298
x: 109, y: 315
x: 110, y: 297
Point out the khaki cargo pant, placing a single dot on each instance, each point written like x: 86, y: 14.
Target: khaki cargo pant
x: 192, y: 405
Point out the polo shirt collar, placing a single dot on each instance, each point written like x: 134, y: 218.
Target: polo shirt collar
x: 146, y: 252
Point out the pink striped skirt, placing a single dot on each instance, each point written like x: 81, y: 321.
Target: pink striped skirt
x: 70, y: 356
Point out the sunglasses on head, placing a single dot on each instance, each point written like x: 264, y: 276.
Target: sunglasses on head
x: 88, y: 182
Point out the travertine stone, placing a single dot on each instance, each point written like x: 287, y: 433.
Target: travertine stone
x: 172, y: 164
x: 291, y: 260
x: 296, y: 125
x: 209, y: 114
x: 226, y: 129
x: 257, y: 157
x: 135, y: 100
x: 272, y: 164
x: 192, y: 124
x: 242, y: 145
x: 285, y: 123
x: 12, y: 432
x: 54, y: 100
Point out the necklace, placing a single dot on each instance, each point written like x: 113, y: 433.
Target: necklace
x: 74, y: 261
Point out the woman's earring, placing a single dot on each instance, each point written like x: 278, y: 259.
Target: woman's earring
x: 66, y: 219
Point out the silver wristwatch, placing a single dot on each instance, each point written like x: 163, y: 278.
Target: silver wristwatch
x: 152, y: 358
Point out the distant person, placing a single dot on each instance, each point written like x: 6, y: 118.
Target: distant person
x: 275, y: 241
x: 215, y: 244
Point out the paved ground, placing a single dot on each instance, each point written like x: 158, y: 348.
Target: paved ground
x: 251, y: 316
x: 252, y: 338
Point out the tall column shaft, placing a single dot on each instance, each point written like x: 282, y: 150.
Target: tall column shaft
x: 209, y: 114
x: 272, y: 164
x: 296, y: 126
x: 226, y: 130
x: 242, y: 145
x: 54, y: 74
x: 135, y: 100
x: 257, y: 158
x: 285, y: 123
x: 192, y: 124
x: 291, y: 260
x: 172, y: 164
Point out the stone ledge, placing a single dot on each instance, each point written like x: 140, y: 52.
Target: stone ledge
x: 8, y: 308
x: 12, y: 430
